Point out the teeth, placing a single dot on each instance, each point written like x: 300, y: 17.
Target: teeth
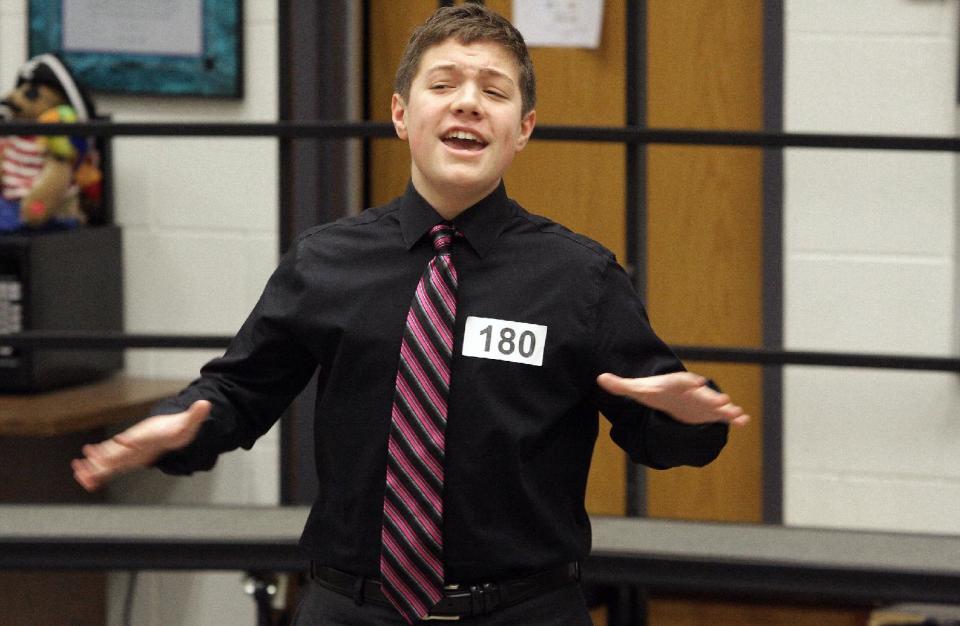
x: 462, y: 134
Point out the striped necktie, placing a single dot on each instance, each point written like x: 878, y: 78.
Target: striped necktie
x: 411, y: 555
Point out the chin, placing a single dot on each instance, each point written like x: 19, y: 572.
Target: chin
x: 470, y: 184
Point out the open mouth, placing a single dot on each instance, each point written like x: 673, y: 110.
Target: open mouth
x: 463, y: 140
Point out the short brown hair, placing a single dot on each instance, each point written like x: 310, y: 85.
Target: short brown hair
x: 467, y: 23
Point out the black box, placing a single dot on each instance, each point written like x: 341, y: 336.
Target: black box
x: 59, y: 281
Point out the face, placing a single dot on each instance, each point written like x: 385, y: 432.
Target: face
x: 463, y: 122
x: 29, y: 100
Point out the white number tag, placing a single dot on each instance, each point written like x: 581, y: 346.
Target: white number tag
x: 517, y: 342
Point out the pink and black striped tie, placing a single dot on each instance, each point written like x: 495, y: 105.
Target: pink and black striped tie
x: 411, y: 555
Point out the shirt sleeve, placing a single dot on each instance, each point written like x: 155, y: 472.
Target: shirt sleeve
x: 255, y: 380
x: 627, y: 346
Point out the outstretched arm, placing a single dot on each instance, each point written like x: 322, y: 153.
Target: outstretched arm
x: 138, y: 446
x: 661, y: 415
x: 685, y: 396
x: 236, y: 399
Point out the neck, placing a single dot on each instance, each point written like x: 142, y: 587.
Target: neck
x: 451, y: 204
x: 449, y: 212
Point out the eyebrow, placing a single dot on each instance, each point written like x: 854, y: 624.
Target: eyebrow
x: 484, y: 70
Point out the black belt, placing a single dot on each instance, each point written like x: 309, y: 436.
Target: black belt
x: 458, y: 600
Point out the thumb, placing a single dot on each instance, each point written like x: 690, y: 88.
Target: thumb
x: 613, y: 384
x: 198, y: 412
x: 193, y: 418
x: 674, y: 382
x: 167, y: 432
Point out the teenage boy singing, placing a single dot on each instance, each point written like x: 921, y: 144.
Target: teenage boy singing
x: 465, y: 348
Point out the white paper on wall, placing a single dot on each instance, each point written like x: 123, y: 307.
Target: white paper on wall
x: 166, y: 27
x: 559, y: 23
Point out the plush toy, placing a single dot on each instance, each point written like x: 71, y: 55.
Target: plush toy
x: 41, y: 177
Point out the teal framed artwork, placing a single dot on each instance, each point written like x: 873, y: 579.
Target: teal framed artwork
x: 150, y: 47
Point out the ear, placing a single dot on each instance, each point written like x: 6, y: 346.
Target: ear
x: 526, y: 128
x: 398, y: 112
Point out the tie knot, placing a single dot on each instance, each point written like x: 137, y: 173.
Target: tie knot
x: 442, y: 235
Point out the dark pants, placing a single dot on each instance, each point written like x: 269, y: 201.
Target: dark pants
x: 563, y: 606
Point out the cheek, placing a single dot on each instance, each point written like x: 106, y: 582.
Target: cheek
x: 415, y: 140
x: 506, y: 158
x: 419, y: 133
x: 511, y: 146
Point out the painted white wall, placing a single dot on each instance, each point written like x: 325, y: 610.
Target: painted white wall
x: 199, y: 220
x: 870, y: 265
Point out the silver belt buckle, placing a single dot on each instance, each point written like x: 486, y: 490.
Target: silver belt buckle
x: 444, y: 618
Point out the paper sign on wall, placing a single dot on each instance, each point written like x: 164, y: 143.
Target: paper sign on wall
x: 559, y: 23
x: 164, y: 27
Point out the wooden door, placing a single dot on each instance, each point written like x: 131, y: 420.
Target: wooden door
x: 704, y: 224
x: 586, y: 181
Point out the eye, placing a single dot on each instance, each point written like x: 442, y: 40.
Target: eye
x: 439, y: 86
x: 495, y: 93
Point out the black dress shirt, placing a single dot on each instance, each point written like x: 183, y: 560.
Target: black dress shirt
x: 519, y: 436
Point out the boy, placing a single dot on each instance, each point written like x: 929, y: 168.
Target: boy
x: 452, y: 481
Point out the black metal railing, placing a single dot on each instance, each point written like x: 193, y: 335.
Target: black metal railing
x: 601, y: 134
x: 624, y: 134
x: 66, y: 340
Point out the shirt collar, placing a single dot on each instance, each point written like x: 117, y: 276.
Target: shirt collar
x: 480, y: 224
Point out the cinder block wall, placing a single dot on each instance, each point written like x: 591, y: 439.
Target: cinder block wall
x: 870, y: 264
x: 200, y: 230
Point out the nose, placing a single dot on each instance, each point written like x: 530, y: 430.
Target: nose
x: 468, y: 100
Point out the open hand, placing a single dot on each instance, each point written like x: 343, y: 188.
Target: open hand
x: 138, y: 446
x: 685, y: 396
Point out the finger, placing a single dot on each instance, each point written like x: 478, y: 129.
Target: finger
x: 684, y: 383
x: 694, y: 380
x: 720, y: 399
x: 682, y: 379
x: 94, y: 451
x: 78, y: 469
x: 713, y: 399
x: 96, y: 468
x: 84, y: 475
x: 106, y: 452
x: 105, y: 460
x: 81, y: 466
x: 734, y: 415
x: 84, y: 480
x: 730, y: 411
x: 125, y: 440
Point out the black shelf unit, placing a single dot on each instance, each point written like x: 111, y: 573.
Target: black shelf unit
x: 63, y: 280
